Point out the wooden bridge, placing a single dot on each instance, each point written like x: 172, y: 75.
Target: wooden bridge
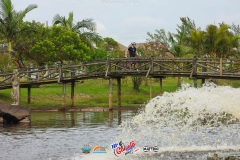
x: 117, y: 68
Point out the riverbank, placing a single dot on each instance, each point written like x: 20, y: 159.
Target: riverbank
x: 83, y: 109
x: 90, y: 94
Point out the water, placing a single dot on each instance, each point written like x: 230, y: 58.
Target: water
x: 188, y: 124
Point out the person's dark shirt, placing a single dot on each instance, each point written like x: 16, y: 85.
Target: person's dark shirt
x: 132, y: 51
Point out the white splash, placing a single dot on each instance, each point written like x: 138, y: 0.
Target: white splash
x: 189, y: 117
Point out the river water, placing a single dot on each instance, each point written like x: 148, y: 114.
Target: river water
x: 187, y: 124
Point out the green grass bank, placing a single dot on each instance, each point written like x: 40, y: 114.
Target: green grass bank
x: 94, y: 93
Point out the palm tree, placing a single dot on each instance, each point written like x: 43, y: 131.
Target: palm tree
x: 85, y: 28
x: 196, y: 41
x: 220, y: 41
x: 10, y: 20
x: 180, y: 40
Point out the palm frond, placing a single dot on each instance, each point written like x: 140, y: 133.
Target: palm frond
x: 85, y: 24
x: 57, y: 19
x: 70, y: 20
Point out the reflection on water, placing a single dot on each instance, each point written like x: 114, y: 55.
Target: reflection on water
x: 59, y: 135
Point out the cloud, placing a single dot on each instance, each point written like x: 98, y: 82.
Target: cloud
x: 143, y: 21
x: 101, y: 29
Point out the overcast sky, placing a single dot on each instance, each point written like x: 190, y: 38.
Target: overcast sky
x: 129, y: 20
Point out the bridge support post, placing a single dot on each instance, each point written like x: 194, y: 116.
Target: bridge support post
x: 110, y: 117
x: 119, y: 117
x: 179, y: 82
x: 203, y: 81
x: 64, y: 96
x: 195, y: 82
x: 119, y: 91
x: 72, y: 93
x: 29, y: 94
x: 110, y: 94
x: 161, y: 89
x: 150, y: 94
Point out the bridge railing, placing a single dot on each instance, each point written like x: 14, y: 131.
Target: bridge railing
x: 5, y: 79
x: 83, y: 70
x: 124, y: 66
x: 188, y: 67
x: 217, y: 67
x: 172, y: 66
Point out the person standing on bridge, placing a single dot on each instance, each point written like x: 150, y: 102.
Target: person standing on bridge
x: 132, y: 52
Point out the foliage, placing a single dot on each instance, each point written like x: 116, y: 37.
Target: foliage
x: 99, y: 54
x: 10, y: 20
x: 179, y: 40
x: 60, y: 45
x: 32, y: 32
x: 5, y: 63
x: 85, y: 28
x: 110, y: 45
x: 220, y: 41
x: 235, y: 29
x: 156, y: 45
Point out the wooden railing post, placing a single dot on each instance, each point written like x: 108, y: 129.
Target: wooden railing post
x: 150, y: 70
x: 60, y: 74
x: 108, y: 67
x: 72, y: 72
x: 194, y: 67
x: 38, y: 75
x: 152, y: 66
x: 220, y: 67
x: 28, y: 74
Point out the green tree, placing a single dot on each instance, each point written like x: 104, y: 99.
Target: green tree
x: 196, y: 41
x: 85, y: 28
x: 32, y: 32
x: 61, y: 45
x: 179, y: 40
x: 10, y: 20
x: 220, y: 41
x: 236, y: 29
x: 110, y: 44
x: 159, y: 36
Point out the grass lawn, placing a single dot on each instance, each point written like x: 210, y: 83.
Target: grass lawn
x: 94, y: 92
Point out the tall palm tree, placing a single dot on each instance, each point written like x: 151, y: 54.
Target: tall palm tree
x: 10, y: 20
x: 196, y: 41
x: 180, y: 39
x: 85, y: 28
x: 220, y: 41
